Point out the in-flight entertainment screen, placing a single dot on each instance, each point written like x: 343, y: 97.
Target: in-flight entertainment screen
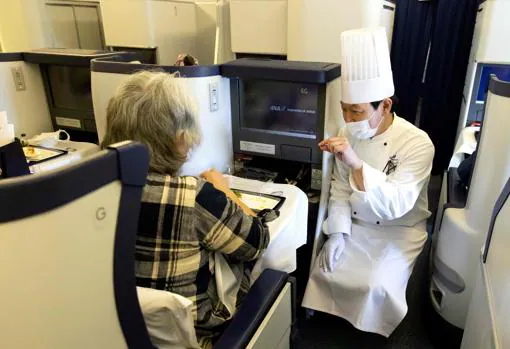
x: 280, y: 107
x: 70, y: 87
x: 502, y: 72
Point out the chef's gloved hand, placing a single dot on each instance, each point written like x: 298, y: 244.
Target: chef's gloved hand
x: 342, y: 149
x: 331, y: 252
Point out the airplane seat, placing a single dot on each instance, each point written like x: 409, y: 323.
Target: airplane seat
x: 264, y: 320
x: 210, y: 90
x: 487, y: 325
x: 463, y: 215
x: 67, y: 241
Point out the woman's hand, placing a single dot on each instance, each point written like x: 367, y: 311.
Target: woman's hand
x: 216, y: 178
x: 220, y: 182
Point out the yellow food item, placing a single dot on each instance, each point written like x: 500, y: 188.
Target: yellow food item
x: 29, y: 151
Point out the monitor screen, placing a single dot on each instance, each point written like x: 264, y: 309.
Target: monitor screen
x: 287, y: 108
x: 70, y: 87
x: 502, y: 72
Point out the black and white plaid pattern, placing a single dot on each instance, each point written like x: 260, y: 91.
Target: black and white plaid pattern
x: 183, y: 221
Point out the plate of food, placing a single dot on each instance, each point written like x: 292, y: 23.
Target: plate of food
x: 35, y: 154
x: 259, y: 201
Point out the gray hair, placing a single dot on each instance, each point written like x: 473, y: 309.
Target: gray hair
x: 155, y: 109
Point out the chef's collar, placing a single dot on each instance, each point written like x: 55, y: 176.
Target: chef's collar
x: 387, y: 132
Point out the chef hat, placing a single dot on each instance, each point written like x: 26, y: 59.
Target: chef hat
x: 366, y: 66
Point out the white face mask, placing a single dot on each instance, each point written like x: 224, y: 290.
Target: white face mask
x: 361, y: 129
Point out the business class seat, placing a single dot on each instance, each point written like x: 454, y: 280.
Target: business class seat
x: 67, y: 241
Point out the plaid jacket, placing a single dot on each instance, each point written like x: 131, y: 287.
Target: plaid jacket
x: 183, y: 221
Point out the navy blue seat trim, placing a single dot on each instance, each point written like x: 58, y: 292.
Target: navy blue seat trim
x: 503, y: 197
x: 133, y: 161
x: 13, y: 162
x: 65, y: 185
x: 30, y: 195
x: 22, y: 197
x: 499, y: 87
x: 254, y: 308
x: 133, y: 165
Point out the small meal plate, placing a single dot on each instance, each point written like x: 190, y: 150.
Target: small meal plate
x: 37, y: 154
x: 259, y: 201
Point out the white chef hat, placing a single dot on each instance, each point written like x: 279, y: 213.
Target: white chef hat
x: 366, y: 67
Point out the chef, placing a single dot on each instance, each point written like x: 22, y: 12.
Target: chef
x: 377, y: 212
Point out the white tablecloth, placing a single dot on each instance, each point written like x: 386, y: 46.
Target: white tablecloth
x: 75, y: 152
x: 288, y: 232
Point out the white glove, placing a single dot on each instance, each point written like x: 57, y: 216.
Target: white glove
x: 331, y: 252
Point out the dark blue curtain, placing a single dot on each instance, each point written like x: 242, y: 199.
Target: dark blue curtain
x: 446, y: 72
x: 412, y: 32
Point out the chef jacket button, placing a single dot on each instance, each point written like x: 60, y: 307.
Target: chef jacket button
x: 385, y: 143
x: 355, y: 212
x: 378, y: 222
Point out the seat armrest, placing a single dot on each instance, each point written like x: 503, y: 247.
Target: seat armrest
x: 252, y: 311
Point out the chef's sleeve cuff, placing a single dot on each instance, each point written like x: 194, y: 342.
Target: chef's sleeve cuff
x: 337, y: 224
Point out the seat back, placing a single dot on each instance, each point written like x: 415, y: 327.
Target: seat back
x: 487, y: 325
x: 67, y: 241
x: 210, y: 91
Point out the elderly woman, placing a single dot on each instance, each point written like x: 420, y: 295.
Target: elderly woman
x: 183, y: 221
